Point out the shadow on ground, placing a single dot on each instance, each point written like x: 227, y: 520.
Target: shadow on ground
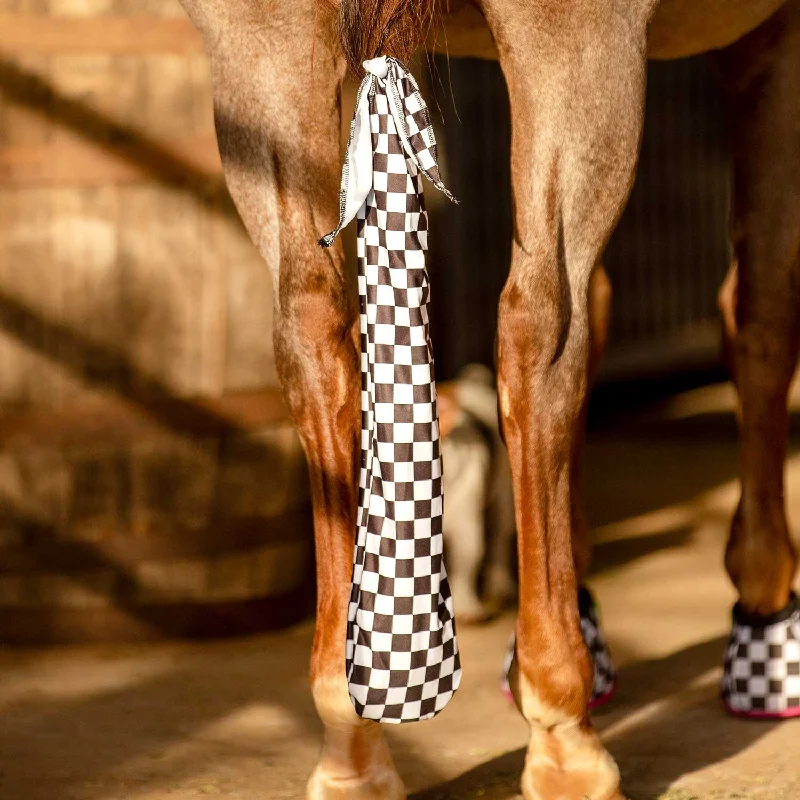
x: 656, y: 728
x: 164, y: 722
x: 77, y: 738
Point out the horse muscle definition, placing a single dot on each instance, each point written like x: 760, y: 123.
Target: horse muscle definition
x: 575, y: 71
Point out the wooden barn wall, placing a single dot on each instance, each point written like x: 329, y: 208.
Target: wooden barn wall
x: 115, y: 224
x: 666, y: 259
x: 149, y: 480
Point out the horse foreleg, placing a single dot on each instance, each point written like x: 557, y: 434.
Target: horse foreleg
x: 276, y: 74
x: 576, y: 84
x: 760, y: 299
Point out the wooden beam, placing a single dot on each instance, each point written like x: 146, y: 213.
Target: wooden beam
x: 136, y: 34
x: 73, y: 161
x: 108, y: 419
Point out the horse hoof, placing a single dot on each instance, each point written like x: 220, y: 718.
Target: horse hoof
x: 569, y: 764
x: 568, y: 787
x: 380, y: 786
x: 615, y: 795
x: 761, y: 677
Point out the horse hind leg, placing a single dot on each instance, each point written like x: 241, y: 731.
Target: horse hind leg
x: 576, y: 84
x: 760, y: 299
x: 276, y: 76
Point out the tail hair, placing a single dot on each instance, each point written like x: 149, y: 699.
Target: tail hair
x: 372, y: 28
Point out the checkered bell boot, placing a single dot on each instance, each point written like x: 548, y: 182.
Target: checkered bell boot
x: 761, y: 677
x: 605, y: 674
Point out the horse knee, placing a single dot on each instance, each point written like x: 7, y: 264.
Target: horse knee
x: 532, y: 311
x: 761, y: 560
x: 542, y: 357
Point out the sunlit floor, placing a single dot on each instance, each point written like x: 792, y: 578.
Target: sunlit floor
x: 235, y: 719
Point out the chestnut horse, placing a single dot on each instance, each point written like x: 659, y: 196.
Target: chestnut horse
x: 575, y: 71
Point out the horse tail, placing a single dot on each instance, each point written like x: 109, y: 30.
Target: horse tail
x: 372, y: 28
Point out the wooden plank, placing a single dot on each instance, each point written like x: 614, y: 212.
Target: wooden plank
x: 25, y: 123
x: 25, y: 249
x: 272, y: 569
x: 103, y: 100
x: 98, y: 498
x: 84, y: 229
x: 168, y: 542
x: 83, y: 8
x: 76, y: 162
x: 134, y: 34
x: 154, y: 622
x: 218, y: 248
x: 160, y: 239
x: 106, y: 419
x: 24, y: 6
x: 27, y: 278
x: 33, y: 487
x: 249, y: 356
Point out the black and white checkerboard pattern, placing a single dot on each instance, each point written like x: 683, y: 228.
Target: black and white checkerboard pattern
x: 605, y: 674
x: 401, y: 653
x: 761, y: 676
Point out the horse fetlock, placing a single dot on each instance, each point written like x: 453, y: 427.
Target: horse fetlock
x: 569, y: 762
x: 761, y: 560
x: 355, y: 768
x: 355, y: 763
x: 566, y: 759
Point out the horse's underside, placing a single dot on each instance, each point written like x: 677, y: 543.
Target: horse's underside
x: 575, y: 71
x: 677, y: 28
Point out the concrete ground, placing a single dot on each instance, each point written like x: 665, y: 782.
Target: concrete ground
x: 234, y: 719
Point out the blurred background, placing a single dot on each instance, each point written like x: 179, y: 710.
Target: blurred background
x: 152, y: 488
x: 668, y: 255
x: 149, y: 480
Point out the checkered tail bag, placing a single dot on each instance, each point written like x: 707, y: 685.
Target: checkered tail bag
x: 402, y: 656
